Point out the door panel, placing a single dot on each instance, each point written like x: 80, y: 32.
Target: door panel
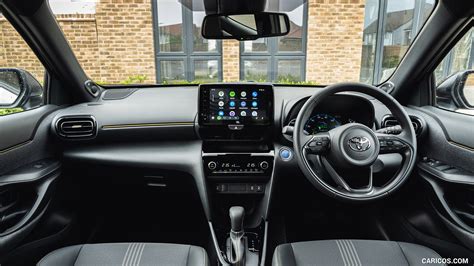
x: 28, y: 170
x: 25, y: 138
x: 449, y: 138
x: 447, y: 168
x: 456, y: 127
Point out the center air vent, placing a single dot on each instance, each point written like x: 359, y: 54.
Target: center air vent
x: 390, y: 121
x: 76, y: 127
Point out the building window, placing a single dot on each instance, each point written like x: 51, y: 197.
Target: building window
x: 255, y: 69
x: 281, y: 59
x: 182, y: 54
x: 397, y: 22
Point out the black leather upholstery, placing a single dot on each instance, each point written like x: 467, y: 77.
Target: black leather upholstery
x: 352, y: 252
x: 127, y: 254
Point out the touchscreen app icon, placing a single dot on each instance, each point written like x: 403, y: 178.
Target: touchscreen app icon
x: 232, y: 93
x: 232, y: 113
x: 243, y: 113
x: 243, y: 104
x: 254, y: 94
x: 221, y: 113
x: 254, y: 104
x: 232, y: 103
x: 221, y: 103
x: 221, y: 93
x: 243, y: 94
x: 254, y: 113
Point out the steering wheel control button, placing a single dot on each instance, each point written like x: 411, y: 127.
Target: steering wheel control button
x: 318, y: 145
x: 389, y: 144
x: 286, y: 154
x: 264, y: 165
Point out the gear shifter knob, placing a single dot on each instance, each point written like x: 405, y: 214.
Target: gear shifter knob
x: 237, y: 214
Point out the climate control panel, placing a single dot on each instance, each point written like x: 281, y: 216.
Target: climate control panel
x: 260, y: 164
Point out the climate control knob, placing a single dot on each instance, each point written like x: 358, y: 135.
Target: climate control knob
x: 264, y: 165
x: 212, y: 165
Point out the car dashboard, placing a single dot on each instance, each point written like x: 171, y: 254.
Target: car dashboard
x: 229, y: 138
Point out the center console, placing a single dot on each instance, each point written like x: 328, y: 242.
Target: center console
x: 236, y: 125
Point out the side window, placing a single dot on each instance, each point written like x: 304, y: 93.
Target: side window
x: 454, y: 77
x: 21, y: 73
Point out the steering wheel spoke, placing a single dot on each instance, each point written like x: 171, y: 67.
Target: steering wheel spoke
x: 339, y: 180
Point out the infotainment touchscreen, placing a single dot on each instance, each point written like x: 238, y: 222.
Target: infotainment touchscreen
x: 244, y: 104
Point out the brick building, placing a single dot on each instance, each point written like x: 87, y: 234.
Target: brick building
x: 159, y: 41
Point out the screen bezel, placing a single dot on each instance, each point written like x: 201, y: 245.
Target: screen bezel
x: 205, y: 88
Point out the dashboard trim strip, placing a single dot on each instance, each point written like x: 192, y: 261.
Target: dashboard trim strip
x: 459, y: 145
x: 167, y: 124
x: 11, y: 148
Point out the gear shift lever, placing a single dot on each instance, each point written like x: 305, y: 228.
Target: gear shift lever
x: 237, y: 253
x: 236, y: 214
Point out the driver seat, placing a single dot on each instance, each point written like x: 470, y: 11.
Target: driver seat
x: 354, y: 253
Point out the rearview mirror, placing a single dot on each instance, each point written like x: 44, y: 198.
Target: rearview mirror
x: 19, y: 89
x: 245, y: 26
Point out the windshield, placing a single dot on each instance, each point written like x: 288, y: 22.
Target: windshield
x: 159, y: 41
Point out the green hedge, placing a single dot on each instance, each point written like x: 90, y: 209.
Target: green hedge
x: 7, y: 111
x: 287, y: 79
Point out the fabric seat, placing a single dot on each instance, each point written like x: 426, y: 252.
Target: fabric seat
x: 127, y: 254
x: 352, y: 252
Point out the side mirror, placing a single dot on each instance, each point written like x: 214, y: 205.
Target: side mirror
x: 457, y: 91
x: 19, y: 89
x: 245, y: 26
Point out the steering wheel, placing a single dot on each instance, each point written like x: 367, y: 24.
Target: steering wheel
x: 346, y: 155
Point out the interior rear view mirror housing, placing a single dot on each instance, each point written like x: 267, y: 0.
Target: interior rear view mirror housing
x: 245, y: 26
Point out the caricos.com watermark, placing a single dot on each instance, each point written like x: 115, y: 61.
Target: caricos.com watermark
x: 445, y: 260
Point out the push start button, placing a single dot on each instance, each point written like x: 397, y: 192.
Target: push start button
x: 286, y: 154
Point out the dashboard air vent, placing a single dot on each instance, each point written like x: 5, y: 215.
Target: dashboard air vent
x: 76, y: 127
x: 390, y: 121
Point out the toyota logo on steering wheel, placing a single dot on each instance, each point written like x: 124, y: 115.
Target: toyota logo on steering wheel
x: 359, y: 144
